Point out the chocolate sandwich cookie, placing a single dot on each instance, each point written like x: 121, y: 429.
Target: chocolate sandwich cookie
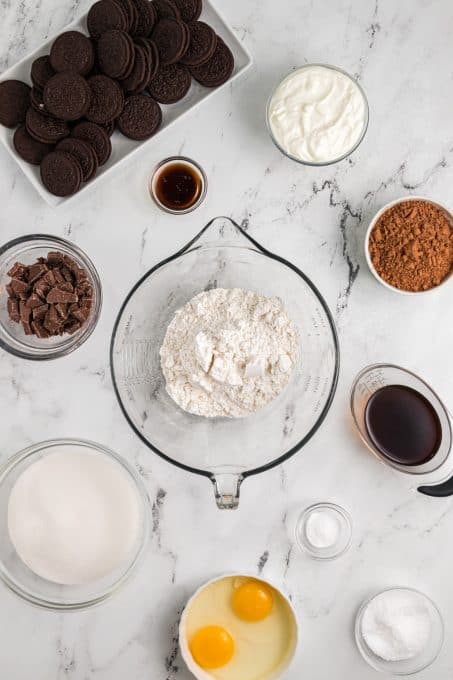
x: 115, y: 54
x: 109, y: 127
x: 170, y: 84
x: 67, y: 96
x: 14, y: 102
x: 171, y: 39
x: 107, y: 99
x: 153, y: 55
x: 129, y: 9
x: 141, y: 117
x: 166, y: 9
x: 190, y: 10
x: 29, y: 148
x: 36, y: 100
x: 45, y: 128
x: 41, y: 72
x: 61, y: 173
x: 72, y: 51
x: 218, y: 69
x: 83, y: 152
x: 107, y: 15
x: 137, y: 76
x: 203, y: 41
x: 147, y: 17
x: 97, y: 137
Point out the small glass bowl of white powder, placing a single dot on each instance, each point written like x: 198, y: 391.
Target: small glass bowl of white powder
x: 324, y: 531
x: 74, y: 519
x: 399, y: 631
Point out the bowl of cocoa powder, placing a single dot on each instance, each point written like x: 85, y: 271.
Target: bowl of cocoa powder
x: 409, y: 245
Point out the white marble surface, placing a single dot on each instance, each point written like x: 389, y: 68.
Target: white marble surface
x: 402, y: 53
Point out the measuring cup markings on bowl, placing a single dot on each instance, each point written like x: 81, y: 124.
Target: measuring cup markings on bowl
x: 223, y: 255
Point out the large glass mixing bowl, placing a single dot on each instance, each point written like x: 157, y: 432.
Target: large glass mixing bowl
x: 224, y: 450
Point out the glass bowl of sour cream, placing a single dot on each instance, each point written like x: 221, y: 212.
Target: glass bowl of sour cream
x: 317, y: 115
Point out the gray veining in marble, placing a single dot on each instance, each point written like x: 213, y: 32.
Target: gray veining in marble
x: 401, y: 51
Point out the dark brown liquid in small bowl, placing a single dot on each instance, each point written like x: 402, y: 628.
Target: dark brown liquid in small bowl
x: 177, y: 185
x: 403, y: 425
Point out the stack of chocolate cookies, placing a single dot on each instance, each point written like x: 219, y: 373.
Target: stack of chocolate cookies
x: 139, y: 55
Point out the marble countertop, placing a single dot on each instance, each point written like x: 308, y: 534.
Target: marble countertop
x: 401, y: 53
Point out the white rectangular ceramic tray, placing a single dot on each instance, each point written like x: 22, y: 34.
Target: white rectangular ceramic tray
x: 121, y: 146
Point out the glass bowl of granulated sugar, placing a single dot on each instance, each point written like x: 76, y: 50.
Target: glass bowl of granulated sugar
x: 165, y: 388
x: 409, y: 245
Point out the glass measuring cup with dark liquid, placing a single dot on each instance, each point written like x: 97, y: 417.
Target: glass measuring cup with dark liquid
x: 178, y: 185
x: 403, y: 425
x: 403, y: 421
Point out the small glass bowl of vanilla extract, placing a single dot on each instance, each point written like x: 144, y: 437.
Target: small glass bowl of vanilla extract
x: 178, y: 185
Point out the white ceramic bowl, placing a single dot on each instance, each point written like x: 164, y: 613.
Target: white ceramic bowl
x: 373, y: 222
x: 201, y: 674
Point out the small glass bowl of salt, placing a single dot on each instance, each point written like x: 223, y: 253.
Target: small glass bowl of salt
x: 324, y: 531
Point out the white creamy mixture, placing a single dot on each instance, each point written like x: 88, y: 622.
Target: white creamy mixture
x: 73, y: 517
x: 317, y: 114
x: 228, y: 352
x: 396, y: 625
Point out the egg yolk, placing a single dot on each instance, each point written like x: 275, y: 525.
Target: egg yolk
x: 252, y: 601
x: 212, y: 647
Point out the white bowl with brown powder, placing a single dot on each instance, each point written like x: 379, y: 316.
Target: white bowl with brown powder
x: 409, y: 245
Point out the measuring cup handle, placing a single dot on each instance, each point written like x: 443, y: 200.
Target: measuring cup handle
x: 438, y: 490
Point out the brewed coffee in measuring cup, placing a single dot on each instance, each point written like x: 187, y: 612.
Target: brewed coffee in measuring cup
x: 404, y: 423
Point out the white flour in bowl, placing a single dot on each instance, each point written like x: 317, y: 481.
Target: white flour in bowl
x: 228, y: 352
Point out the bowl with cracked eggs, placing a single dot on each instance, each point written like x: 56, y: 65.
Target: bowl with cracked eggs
x: 224, y: 358
x: 238, y: 627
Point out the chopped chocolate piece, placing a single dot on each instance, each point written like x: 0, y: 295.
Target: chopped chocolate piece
x: 40, y: 312
x: 42, y: 288
x: 49, y: 278
x: 39, y: 329
x: 52, y: 322
x: 59, y: 278
x: 63, y: 309
x: 17, y: 271
x: 55, y: 258
x: 66, y: 274
x: 35, y: 271
x: 72, y: 327
x: 34, y: 301
x: 24, y: 311
x: 10, y: 291
x: 66, y: 286
x: 19, y: 286
x: 81, y: 314
x: 13, y: 310
x: 57, y: 295
x: 27, y: 328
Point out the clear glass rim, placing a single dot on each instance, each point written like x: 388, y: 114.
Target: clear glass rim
x: 256, y: 246
x: 203, y: 192
x: 305, y: 547
x: 78, y: 339
x: 33, y: 598
x: 405, y: 469
x: 335, y: 160
x: 368, y: 655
